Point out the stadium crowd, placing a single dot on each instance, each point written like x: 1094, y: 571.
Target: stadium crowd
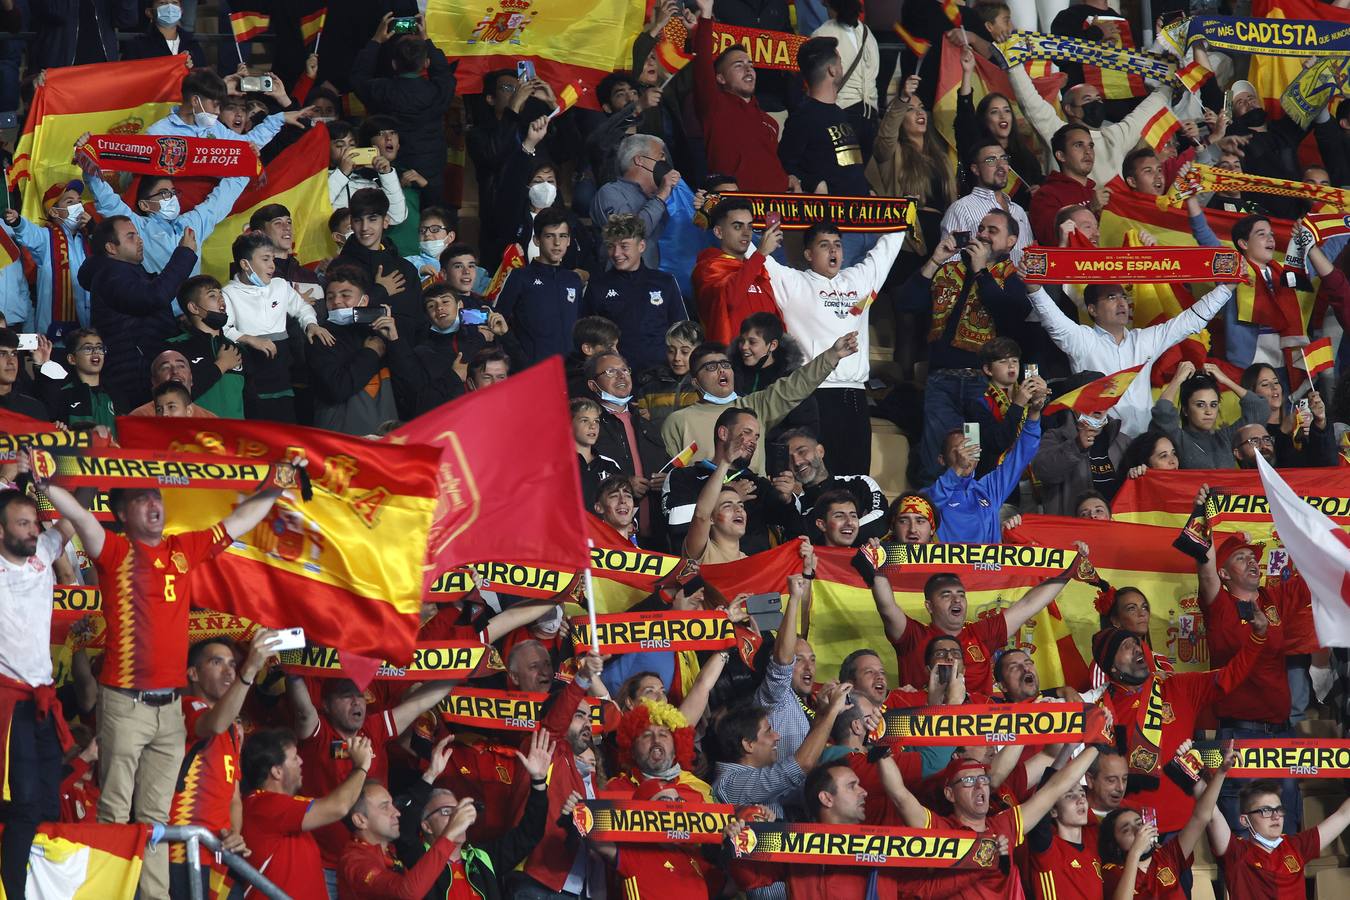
x: 736, y: 383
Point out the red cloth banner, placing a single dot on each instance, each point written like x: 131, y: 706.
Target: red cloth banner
x: 172, y: 156
x: 1132, y: 265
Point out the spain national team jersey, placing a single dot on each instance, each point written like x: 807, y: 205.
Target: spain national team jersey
x: 208, y: 779
x: 979, y: 640
x: 145, y: 605
x: 1251, y: 871
x: 1067, y: 871
x: 1161, y: 881
x: 972, y: 884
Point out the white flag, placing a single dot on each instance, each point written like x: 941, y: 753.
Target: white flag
x: 1320, y: 549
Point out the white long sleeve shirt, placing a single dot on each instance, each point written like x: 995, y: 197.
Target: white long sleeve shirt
x: 341, y: 187
x: 816, y: 309
x: 1093, y: 349
x: 262, y: 311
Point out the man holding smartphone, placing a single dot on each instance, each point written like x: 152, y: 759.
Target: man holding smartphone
x: 1230, y: 592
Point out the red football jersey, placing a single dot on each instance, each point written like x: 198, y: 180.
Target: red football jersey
x: 1064, y: 871
x: 145, y: 605
x: 280, y: 848
x: 1162, y: 880
x: 327, y: 765
x: 971, y: 884
x: 1251, y: 871
x: 207, y: 779
x: 979, y: 640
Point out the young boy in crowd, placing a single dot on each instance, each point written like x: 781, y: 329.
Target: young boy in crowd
x: 590, y: 335
x: 594, y: 467
x: 172, y: 399
x: 1002, y: 410
x: 256, y: 308
x: 435, y: 232
x: 80, y: 400
x: 664, y: 389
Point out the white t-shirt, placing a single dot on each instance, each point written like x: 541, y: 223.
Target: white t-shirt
x: 26, y: 613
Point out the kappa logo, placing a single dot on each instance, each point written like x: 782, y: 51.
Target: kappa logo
x: 611, y: 293
x: 655, y: 298
x: 538, y: 282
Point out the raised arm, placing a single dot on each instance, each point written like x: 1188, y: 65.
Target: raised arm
x: 700, y: 527
x: 1331, y: 827
x: 335, y: 806
x: 86, y: 526
x: 832, y: 698
x: 893, y: 618
x: 1204, y: 806
x: 418, y: 701
x: 305, y: 716
x: 911, y: 810
x: 1041, y: 802
x: 1207, y: 573
x: 222, y: 715
x: 248, y: 514
x: 1039, y: 597
x: 785, y: 644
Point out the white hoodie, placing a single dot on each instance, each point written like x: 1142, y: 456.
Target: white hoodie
x: 262, y: 311
x: 817, y: 310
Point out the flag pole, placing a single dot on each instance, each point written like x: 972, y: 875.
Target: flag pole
x: 239, y: 50
x: 590, y: 600
x: 318, y: 37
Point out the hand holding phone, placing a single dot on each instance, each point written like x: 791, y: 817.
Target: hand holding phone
x: 289, y: 639
x: 773, y: 219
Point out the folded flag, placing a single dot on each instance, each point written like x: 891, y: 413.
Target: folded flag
x: 917, y: 45
x: 671, y: 54
x: 1318, y: 357
x: 1095, y: 396
x: 512, y: 259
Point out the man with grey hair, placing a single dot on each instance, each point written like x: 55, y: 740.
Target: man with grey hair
x: 645, y: 181
x: 529, y: 667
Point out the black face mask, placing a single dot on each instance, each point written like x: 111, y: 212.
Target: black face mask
x: 215, y: 320
x: 1094, y: 113
x: 660, y: 169
x: 1252, y: 118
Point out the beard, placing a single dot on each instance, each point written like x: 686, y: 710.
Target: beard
x: 20, y: 547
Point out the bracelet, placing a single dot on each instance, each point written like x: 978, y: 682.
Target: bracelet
x: 249, y: 683
x: 534, y: 780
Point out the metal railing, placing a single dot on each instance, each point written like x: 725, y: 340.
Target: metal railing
x: 196, y: 837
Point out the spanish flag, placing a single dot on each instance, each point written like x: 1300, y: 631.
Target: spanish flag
x: 1095, y: 396
x: 952, y: 10
x: 1193, y: 76
x: 579, y: 41
x: 249, y: 21
x: 1160, y: 127
x: 1114, y: 84
x: 105, y: 98
x: 311, y: 24
x: 1318, y: 357
x: 512, y: 259
x: 917, y: 45
x: 1270, y: 75
x: 86, y: 862
x: 346, y: 565
x: 683, y: 458
x: 569, y: 96
x: 297, y: 179
x: 671, y: 54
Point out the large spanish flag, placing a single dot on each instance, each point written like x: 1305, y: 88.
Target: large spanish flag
x: 298, y: 180
x: 104, y: 98
x: 86, y: 862
x: 578, y: 41
x: 345, y: 565
x: 1270, y: 75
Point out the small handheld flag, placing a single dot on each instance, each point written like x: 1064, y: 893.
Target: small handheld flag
x: 917, y: 45
x: 681, y: 459
x: 1318, y: 357
x: 1095, y: 396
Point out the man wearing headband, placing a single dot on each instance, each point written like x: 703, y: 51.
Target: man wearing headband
x: 945, y: 599
x: 967, y: 789
x: 1155, y: 715
x: 913, y: 519
x: 1231, y: 592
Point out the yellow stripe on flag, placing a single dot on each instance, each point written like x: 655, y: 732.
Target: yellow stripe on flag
x: 1319, y: 357
x: 1160, y: 127
x: 298, y: 180
x: 248, y: 25
x: 104, y: 98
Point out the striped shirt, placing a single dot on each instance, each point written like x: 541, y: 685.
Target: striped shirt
x: 965, y: 215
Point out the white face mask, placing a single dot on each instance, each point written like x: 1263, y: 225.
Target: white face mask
x: 169, y: 14
x: 73, y: 213
x: 205, y: 119
x: 433, y: 248
x: 344, y: 316
x: 543, y: 194
x: 168, y: 209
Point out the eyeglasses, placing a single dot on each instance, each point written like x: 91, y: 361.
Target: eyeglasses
x: 1264, y: 440
x: 972, y: 780
x: 946, y: 654
x: 715, y: 365
x: 164, y: 194
x: 616, y: 371
x: 433, y: 229
x: 440, y: 811
x: 991, y: 160
x: 91, y: 349
x: 1267, y: 812
x: 6, y: 353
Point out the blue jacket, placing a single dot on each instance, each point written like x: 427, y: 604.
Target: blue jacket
x: 161, y: 237
x: 643, y: 303
x: 969, y: 506
x: 540, y: 302
x: 38, y: 241
x: 132, y: 310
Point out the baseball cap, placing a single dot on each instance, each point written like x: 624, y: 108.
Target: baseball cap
x: 1233, y: 544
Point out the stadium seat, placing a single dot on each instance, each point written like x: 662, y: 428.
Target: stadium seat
x: 1203, y: 888
x: 890, y: 457
x: 1333, y: 884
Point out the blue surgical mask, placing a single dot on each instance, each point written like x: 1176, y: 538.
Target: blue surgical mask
x: 1265, y: 841
x: 169, y: 14
x: 432, y: 248
x: 722, y: 401
x: 454, y: 326
x: 344, y: 316
x: 255, y: 279
x: 621, y: 402
x: 168, y: 209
